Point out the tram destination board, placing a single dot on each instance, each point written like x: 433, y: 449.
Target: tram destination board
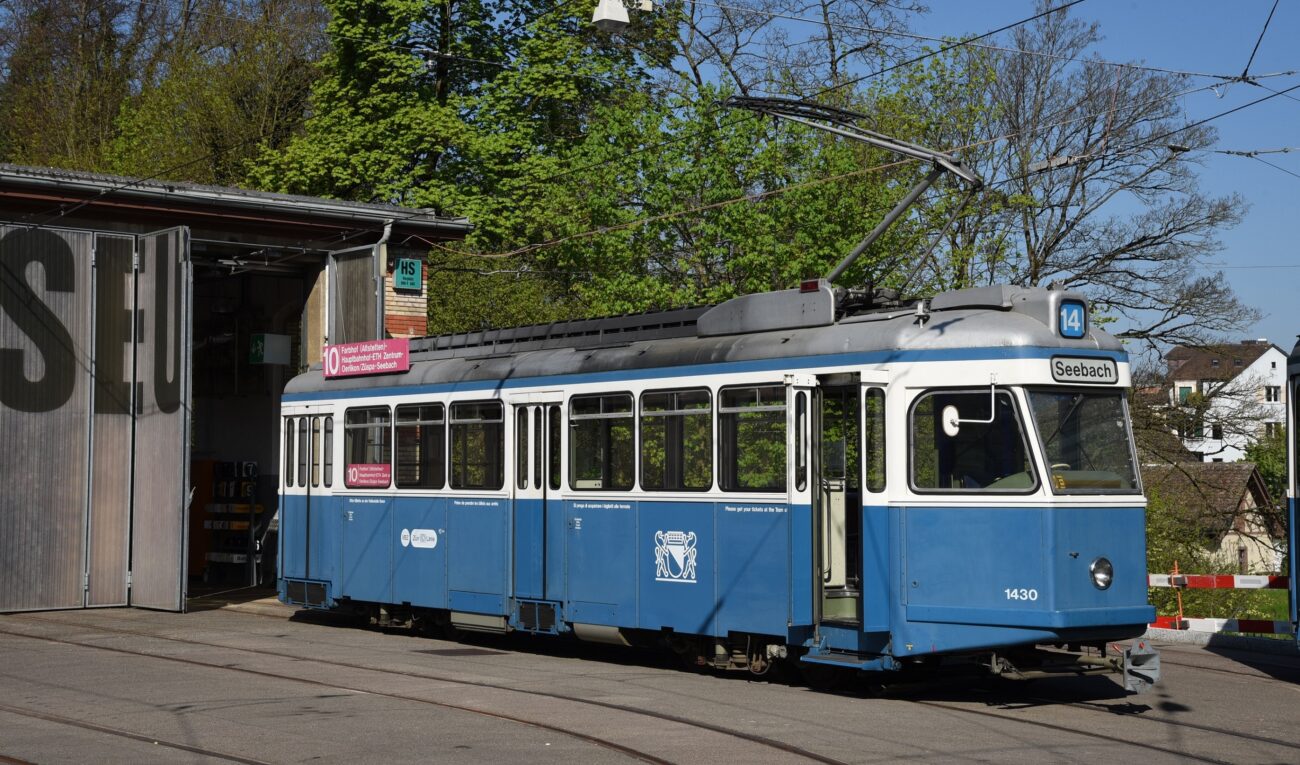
x: 371, y: 357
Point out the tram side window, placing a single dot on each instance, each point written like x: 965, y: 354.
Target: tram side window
x: 315, y: 451
x: 752, y: 438
x: 304, y: 450
x: 601, y: 451
x: 288, y: 451
x: 477, y: 445
x: 521, y: 447
x: 537, y: 447
x: 555, y: 427
x: 874, y: 429
x: 983, y: 456
x: 329, y: 451
x: 676, y: 440
x: 421, y: 449
x: 367, y: 448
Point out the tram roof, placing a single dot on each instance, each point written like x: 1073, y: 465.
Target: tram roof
x: 957, y: 325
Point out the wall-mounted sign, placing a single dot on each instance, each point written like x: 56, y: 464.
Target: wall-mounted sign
x: 265, y: 348
x: 372, y: 357
x: 408, y: 274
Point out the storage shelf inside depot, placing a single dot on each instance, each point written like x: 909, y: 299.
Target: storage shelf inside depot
x: 231, y: 519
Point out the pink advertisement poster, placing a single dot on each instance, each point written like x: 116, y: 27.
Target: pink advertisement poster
x: 372, y: 357
x: 369, y: 476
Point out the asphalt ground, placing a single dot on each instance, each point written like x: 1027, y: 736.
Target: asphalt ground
x: 259, y: 682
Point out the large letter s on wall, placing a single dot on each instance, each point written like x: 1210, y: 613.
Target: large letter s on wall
x: 20, y: 248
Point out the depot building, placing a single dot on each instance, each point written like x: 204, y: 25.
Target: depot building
x: 146, y: 331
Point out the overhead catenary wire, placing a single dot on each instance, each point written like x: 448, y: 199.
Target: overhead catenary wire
x: 804, y: 184
x: 984, y: 46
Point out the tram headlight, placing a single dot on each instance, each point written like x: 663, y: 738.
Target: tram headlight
x: 1102, y: 573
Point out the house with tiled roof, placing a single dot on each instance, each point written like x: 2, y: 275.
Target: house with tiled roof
x: 1230, y: 394
x: 1230, y: 504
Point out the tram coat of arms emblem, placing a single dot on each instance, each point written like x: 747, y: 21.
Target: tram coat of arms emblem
x: 675, y: 556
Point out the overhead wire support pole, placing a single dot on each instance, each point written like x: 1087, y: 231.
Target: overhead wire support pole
x: 842, y: 123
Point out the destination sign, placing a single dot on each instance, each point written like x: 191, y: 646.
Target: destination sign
x: 1072, y: 369
x: 372, y: 357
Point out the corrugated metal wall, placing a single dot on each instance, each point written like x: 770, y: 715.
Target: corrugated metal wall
x: 45, y: 349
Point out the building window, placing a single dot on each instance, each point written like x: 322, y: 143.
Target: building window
x: 1237, y: 363
x: 421, y: 450
x: 1273, y: 393
x: 601, y: 450
x: 677, y: 440
x: 477, y: 445
x: 752, y: 439
x: 1183, y: 392
x: 1216, y: 432
x: 1214, y: 363
x: 1272, y: 429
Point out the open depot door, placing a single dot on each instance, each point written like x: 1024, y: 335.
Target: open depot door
x: 160, y: 468
x: 94, y: 418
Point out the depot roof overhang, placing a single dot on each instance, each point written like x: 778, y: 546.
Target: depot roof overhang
x: 48, y: 196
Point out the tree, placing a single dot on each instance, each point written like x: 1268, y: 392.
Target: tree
x: 1085, y: 190
x: 186, y: 92
x: 237, y: 84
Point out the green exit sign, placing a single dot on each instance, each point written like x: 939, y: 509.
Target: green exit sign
x: 407, y: 275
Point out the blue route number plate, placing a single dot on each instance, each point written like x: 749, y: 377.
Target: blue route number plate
x: 1073, y: 320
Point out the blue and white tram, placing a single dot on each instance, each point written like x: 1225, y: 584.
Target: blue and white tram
x: 780, y: 476
x: 1293, y: 481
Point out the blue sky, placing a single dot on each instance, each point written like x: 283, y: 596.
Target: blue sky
x: 1261, y: 257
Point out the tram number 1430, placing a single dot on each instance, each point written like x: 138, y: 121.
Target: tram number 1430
x: 1021, y: 594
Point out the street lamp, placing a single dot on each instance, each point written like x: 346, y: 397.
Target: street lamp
x: 611, y: 15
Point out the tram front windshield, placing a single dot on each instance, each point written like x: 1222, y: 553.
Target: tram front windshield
x: 1086, y: 441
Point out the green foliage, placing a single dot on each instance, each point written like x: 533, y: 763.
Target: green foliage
x: 1269, y: 455
x: 1173, y: 537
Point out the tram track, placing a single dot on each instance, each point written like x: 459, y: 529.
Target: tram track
x: 636, y: 754
x: 120, y: 733
x: 751, y: 738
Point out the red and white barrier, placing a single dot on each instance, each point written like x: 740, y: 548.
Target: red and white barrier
x: 1261, y: 626
x: 1219, y: 581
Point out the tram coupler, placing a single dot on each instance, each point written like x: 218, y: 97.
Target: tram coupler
x: 1141, y: 667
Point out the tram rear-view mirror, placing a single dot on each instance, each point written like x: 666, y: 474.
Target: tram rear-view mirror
x: 951, y: 421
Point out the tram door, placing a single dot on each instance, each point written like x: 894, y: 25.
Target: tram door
x: 836, y: 486
x: 309, y: 466
x: 532, y: 454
